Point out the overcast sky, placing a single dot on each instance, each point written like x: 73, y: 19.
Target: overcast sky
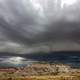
x: 37, y: 24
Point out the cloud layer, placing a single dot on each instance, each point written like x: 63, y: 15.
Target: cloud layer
x: 34, y: 23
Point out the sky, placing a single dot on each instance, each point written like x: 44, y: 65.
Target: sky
x: 28, y: 26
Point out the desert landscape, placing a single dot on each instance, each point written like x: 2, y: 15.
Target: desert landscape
x: 40, y: 72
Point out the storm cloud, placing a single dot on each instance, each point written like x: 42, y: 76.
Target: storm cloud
x: 35, y: 25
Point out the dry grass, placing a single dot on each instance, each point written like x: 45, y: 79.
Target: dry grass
x: 43, y: 78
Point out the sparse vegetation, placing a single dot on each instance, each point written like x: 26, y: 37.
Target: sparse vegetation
x: 43, y: 72
x: 42, y: 78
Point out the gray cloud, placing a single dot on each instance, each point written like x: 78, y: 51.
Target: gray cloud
x: 31, y: 22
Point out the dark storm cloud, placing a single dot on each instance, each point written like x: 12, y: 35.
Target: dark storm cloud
x: 19, y: 22
x: 37, y: 21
